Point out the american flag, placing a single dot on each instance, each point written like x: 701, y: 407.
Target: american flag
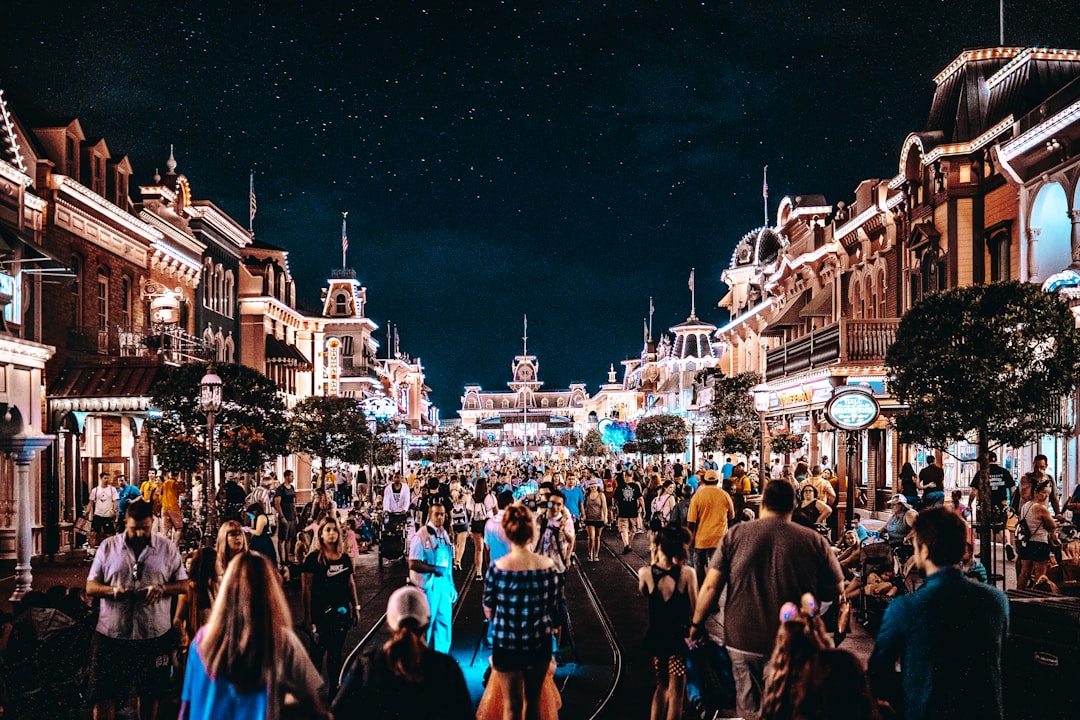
x: 251, y: 203
x: 344, y: 235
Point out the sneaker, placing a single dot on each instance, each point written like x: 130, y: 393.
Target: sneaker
x: 1010, y: 553
x: 627, y: 550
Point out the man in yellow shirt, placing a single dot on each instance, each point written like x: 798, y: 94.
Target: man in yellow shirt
x: 171, y: 516
x: 710, y: 510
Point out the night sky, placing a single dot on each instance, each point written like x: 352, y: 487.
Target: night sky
x: 561, y: 159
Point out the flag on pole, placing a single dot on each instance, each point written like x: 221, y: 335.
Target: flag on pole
x: 344, y: 238
x: 691, y: 283
x: 645, y: 330
x: 251, y: 203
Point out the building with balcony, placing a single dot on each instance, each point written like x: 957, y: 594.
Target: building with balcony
x: 27, y: 272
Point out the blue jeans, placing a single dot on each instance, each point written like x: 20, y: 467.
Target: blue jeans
x: 749, y: 671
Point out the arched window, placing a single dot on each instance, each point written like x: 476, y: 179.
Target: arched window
x: 999, y: 244
x: 544, y: 403
x: 505, y: 404
x: 341, y: 304
x: 229, y: 350
x: 228, y: 299
x: 489, y: 405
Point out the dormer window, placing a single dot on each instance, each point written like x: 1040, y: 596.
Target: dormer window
x: 341, y: 304
x: 72, y: 157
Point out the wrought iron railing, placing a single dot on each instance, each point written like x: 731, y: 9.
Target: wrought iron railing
x: 848, y: 341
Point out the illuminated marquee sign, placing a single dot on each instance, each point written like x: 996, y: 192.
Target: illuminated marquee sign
x: 852, y: 409
x: 333, y: 367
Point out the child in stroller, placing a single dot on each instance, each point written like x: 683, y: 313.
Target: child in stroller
x: 877, y: 580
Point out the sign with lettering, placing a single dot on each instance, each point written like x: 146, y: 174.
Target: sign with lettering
x: 852, y: 409
x: 333, y: 367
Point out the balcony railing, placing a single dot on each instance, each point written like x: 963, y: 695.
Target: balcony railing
x: 846, y: 342
x: 174, y: 346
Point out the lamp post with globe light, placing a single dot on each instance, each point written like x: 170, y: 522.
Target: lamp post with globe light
x: 210, y: 391
x: 403, y: 437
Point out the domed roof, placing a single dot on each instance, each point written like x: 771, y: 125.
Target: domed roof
x: 693, y: 339
x: 758, y: 247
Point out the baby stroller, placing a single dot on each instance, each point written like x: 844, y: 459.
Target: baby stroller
x: 47, y: 661
x: 882, y: 580
x: 391, y: 534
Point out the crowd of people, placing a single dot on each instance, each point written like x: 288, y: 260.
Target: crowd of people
x: 752, y: 553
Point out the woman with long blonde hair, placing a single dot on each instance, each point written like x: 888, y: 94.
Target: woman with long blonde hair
x: 246, y: 658
x: 207, y: 571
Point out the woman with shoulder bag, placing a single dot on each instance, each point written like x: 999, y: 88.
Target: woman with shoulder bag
x: 1034, y: 555
x: 662, y: 505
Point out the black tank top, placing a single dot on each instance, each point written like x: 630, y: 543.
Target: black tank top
x: 669, y: 620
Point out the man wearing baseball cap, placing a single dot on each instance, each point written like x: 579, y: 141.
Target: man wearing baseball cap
x: 711, y: 509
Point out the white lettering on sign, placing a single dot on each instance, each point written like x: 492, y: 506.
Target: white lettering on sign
x: 333, y: 367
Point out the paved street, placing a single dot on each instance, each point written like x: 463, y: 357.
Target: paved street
x: 603, y: 670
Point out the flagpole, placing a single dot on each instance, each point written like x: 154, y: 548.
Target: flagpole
x: 765, y: 192
x: 651, y: 311
x: 251, y: 203
x: 693, y: 295
x: 344, y: 238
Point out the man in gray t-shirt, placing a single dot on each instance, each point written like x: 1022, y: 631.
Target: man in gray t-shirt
x: 764, y: 564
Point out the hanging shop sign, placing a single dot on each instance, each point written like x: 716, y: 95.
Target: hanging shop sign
x: 852, y: 408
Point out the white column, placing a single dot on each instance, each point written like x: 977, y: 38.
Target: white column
x: 1074, y: 216
x: 1032, y: 237
x: 23, y: 451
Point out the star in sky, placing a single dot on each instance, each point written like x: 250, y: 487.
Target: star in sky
x: 565, y: 160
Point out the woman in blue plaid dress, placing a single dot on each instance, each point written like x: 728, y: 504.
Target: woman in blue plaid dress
x: 521, y: 600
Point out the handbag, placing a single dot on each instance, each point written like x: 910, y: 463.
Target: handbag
x: 83, y: 526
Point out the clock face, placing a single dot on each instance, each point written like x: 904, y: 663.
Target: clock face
x: 525, y: 373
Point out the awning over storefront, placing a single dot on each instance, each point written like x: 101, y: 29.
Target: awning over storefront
x: 279, y: 352
x: 90, y: 388
x: 820, y: 304
x: 533, y: 418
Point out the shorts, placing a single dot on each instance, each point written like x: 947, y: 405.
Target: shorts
x: 458, y: 529
x: 174, y: 519
x: 671, y: 666
x: 145, y: 663
x: 103, y: 525
x: 477, y: 527
x: 624, y: 524
x: 594, y: 523
x: 1035, y: 552
x: 286, y: 529
x: 505, y: 660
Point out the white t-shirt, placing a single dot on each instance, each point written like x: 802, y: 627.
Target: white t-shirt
x: 105, y: 500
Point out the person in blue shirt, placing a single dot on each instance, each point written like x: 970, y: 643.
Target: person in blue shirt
x: 127, y: 493
x: 693, y: 480
x: 726, y: 469
x: 948, y: 635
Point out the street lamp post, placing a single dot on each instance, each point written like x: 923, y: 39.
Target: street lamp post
x: 403, y: 437
x: 761, y: 404
x: 373, y: 426
x: 691, y: 414
x: 210, y: 403
x: 435, y: 443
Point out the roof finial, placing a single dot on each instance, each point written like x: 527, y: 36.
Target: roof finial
x: 157, y: 176
x: 170, y: 164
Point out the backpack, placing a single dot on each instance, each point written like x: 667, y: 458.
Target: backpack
x: 659, y: 503
x: 677, y: 516
x: 1022, y: 534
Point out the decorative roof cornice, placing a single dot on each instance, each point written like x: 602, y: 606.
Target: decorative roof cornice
x: 77, y: 190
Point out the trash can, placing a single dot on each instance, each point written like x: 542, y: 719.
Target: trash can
x: 1041, y: 661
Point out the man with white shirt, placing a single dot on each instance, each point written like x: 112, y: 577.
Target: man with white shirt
x: 396, y: 497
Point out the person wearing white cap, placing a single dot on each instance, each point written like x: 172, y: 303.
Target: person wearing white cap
x: 899, y: 524
x: 404, y: 678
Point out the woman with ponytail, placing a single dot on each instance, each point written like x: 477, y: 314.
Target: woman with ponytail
x: 404, y: 678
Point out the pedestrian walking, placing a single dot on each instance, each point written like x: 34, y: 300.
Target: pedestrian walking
x: 670, y: 585
x: 404, y: 678
x: 133, y: 575
x: 920, y: 631
x: 247, y: 658
x: 521, y: 596
x: 711, y: 509
x: 762, y: 565
x: 481, y: 506
x: 206, y: 572
x: 329, y: 594
x: 596, y: 516
x: 430, y: 558
x: 102, y: 510
x: 285, y: 507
